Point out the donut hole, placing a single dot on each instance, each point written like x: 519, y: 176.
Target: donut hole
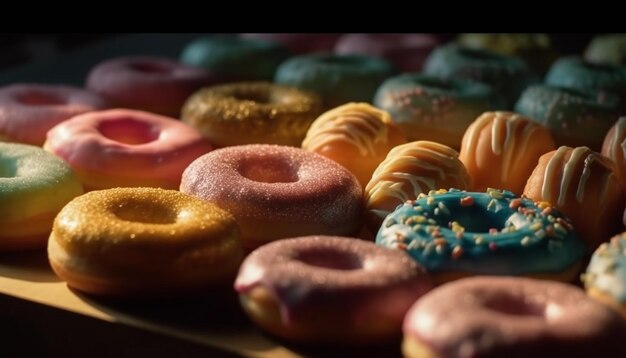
x: 330, y: 259
x: 257, y: 97
x: 278, y: 170
x: 128, y: 131
x: 513, y: 305
x: 344, y: 61
x: 477, y: 54
x: 478, y: 219
x: 147, y: 212
x: 150, y: 67
x: 8, y: 169
x: 36, y: 98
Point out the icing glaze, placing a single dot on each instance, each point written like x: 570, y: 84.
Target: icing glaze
x: 607, y: 269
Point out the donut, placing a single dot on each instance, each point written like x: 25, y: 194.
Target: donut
x: 251, y: 113
x: 575, y: 118
x: 332, y: 290
x: 511, y: 317
x: 608, y: 49
x: 614, y: 147
x: 583, y: 185
x: 143, y: 242
x: 234, y: 58
x: 126, y: 148
x: 605, y: 279
x: 508, y: 75
x: 409, y: 170
x: 28, y: 111
x: 501, y: 150
x: 407, y: 52
x: 339, y: 79
x: 277, y: 192
x: 355, y: 135
x: 154, y: 84
x: 430, y: 108
x: 455, y: 234
x: 298, y: 43
x: 34, y: 186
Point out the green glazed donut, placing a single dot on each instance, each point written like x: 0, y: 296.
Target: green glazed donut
x: 339, y: 79
x: 575, y: 118
x: 607, y: 49
x: 429, y: 108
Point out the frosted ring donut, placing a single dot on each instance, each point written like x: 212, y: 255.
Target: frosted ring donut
x: 132, y: 242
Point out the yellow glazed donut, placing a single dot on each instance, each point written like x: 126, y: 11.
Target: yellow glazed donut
x: 143, y: 242
x: 34, y: 186
x: 355, y: 135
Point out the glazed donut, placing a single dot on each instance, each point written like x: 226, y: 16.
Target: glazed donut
x: 607, y: 49
x: 409, y: 170
x: 511, y: 317
x: 121, y: 148
x: 456, y: 234
x: 501, y: 150
x: 236, y: 59
x: 34, y: 186
x: 407, y: 52
x: 605, y: 279
x: 324, y: 289
x: 298, y: 43
x: 429, y: 108
x: 508, y: 75
x: 614, y: 148
x: 583, y: 185
x: 28, y: 111
x: 153, y: 84
x: 252, y: 112
x: 355, y: 135
x: 143, y: 242
x: 276, y: 191
x: 339, y: 79
x: 575, y: 118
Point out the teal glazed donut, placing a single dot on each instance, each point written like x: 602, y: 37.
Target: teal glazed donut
x: 454, y: 234
x: 430, y: 108
x: 339, y: 79
x: 605, y: 279
x: 508, y: 75
x: 575, y: 118
x: 235, y: 59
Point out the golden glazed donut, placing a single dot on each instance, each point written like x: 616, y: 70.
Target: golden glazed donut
x: 143, y: 242
x: 582, y: 184
x: 355, y: 135
x: 614, y: 147
x: 501, y: 149
x: 409, y: 170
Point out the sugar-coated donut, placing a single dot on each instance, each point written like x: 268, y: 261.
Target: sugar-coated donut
x: 298, y: 43
x: 409, y: 170
x: 608, y: 49
x: 356, y: 135
x: 614, y: 147
x: 583, y: 185
x: 252, y: 113
x: 123, y: 148
x: 511, y: 317
x: 323, y: 289
x: 276, y: 192
x: 430, y: 108
x: 34, y: 186
x: 455, y: 234
x: 605, y: 279
x: 143, y: 242
x: 154, y: 84
x: 28, y: 111
x: 501, y: 150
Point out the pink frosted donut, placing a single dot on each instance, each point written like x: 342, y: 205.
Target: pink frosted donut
x: 126, y: 148
x: 28, y: 111
x: 276, y: 191
x: 325, y: 289
x: 511, y: 317
x: 153, y: 84
x: 299, y: 43
x: 406, y: 51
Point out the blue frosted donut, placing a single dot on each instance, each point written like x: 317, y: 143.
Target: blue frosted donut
x: 605, y: 279
x: 455, y: 234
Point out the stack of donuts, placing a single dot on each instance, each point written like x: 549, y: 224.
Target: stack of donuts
x: 346, y: 204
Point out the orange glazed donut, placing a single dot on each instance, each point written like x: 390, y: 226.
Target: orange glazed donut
x: 126, y: 148
x: 614, y: 147
x: 501, y: 149
x: 143, y: 242
x: 355, y: 135
x: 582, y: 184
x: 276, y: 191
x: 324, y: 289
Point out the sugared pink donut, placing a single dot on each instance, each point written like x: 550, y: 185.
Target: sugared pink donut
x: 324, y: 289
x: 276, y: 192
x: 154, y: 84
x: 298, y: 43
x: 126, y: 148
x: 406, y: 51
x: 28, y: 111
x: 511, y: 317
